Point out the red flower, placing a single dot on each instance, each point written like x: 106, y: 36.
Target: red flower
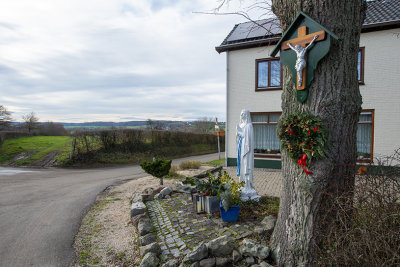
x: 290, y: 131
x: 316, y: 128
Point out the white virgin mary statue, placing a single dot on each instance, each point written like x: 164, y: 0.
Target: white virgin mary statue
x: 245, y: 157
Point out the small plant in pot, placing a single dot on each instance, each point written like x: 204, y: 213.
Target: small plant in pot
x: 230, y: 199
x: 209, y: 190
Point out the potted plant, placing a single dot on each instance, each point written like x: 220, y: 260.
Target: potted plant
x: 230, y: 199
x: 229, y: 211
x: 209, y: 191
x: 213, y: 188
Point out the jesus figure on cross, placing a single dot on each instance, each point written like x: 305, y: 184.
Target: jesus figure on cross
x: 301, y: 61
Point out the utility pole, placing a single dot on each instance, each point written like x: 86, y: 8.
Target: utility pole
x: 217, y: 132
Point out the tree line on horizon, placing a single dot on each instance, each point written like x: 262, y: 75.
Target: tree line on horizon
x: 32, y: 125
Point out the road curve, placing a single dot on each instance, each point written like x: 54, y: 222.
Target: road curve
x: 41, y: 210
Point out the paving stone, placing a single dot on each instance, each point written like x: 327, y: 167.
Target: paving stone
x: 180, y: 243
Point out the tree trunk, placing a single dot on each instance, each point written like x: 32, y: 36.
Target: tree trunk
x: 334, y: 97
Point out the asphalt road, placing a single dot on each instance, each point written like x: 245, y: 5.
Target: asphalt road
x: 41, y: 210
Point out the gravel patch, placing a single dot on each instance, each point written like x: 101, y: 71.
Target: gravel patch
x: 106, y: 236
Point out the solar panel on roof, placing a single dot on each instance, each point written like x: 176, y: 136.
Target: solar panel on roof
x: 377, y: 12
x: 250, y: 30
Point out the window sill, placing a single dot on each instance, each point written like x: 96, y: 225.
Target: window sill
x: 364, y: 160
x: 267, y: 156
x: 361, y: 83
x: 259, y: 89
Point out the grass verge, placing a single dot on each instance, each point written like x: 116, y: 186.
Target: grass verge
x: 28, y: 150
x: 217, y: 162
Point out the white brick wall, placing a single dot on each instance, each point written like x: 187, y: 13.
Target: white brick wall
x: 381, y: 91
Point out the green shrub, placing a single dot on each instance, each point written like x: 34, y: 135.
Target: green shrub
x: 158, y: 168
x: 185, y: 165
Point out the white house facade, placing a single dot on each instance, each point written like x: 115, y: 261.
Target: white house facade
x: 254, y: 83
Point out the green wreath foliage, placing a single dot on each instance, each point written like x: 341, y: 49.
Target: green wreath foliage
x: 303, y: 134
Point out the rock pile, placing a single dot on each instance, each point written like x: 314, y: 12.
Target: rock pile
x: 221, y: 252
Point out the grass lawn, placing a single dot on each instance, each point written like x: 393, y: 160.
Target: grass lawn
x: 35, y: 147
x: 217, y: 162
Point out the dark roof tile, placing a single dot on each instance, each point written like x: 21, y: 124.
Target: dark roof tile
x: 258, y: 32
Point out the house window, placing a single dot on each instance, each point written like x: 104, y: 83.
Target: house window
x: 360, y: 65
x: 365, y: 135
x: 266, y: 142
x: 268, y: 74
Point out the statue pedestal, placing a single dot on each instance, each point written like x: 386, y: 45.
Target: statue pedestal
x: 249, y: 194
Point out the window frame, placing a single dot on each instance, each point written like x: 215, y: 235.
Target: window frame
x: 362, y: 62
x: 372, y: 135
x: 268, y: 88
x: 259, y: 155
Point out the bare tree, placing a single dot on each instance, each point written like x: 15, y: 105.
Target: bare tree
x: 150, y: 124
x: 203, y: 125
x: 155, y: 125
x: 5, y: 117
x: 334, y: 98
x: 52, y: 129
x: 30, y: 121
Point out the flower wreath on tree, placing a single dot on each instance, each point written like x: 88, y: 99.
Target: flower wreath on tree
x: 304, y: 137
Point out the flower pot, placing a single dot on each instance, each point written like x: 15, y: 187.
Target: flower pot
x: 212, y: 204
x: 231, y: 215
x: 199, y: 202
x: 192, y: 193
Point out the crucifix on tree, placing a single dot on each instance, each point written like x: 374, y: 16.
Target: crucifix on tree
x: 301, y: 44
x: 308, y: 49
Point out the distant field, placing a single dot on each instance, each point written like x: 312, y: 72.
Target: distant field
x: 90, y: 127
x: 91, y: 150
x: 28, y: 150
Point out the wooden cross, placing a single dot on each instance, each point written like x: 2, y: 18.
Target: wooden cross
x: 303, y: 39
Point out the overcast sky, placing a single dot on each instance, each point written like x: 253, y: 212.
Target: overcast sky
x: 112, y: 60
